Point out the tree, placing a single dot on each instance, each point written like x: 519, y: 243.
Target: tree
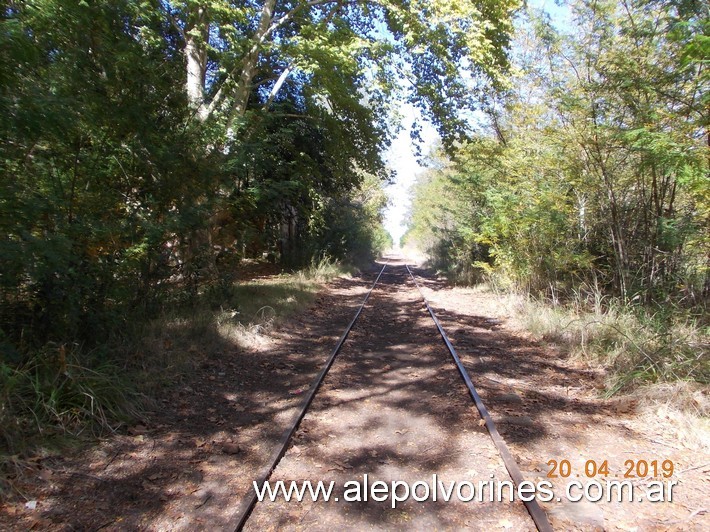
x: 342, y: 49
x: 599, y: 168
x: 97, y: 168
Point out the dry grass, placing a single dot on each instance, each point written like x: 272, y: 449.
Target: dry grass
x: 635, y: 348
x: 681, y: 408
x: 61, y: 391
x: 656, y: 366
x: 238, y: 316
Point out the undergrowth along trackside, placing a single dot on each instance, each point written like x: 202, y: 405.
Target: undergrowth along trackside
x: 635, y: 345
x: 54, y: 392
x: 62, y: 392
x: 228, y: 316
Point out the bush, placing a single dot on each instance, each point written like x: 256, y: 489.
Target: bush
x: 635, y: 345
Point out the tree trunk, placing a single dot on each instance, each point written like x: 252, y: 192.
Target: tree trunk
x: 196, y: 63
x: 241, y: 96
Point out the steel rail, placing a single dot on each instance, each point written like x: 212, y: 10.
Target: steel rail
x: 536, y: 512
x: 250, y: 501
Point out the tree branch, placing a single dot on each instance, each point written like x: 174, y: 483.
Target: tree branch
x: 172, y: 19
x: 267, y: 26
x: 277, y: 86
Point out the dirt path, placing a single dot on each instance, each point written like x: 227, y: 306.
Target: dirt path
x: 190, y: 465
x: 549, y: 408
x: 393, y: 407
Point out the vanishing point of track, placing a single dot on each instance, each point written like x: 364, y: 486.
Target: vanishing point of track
x: 535, y: 511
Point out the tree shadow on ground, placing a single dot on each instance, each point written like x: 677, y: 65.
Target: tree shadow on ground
x: 396, y: 361
x: 394, y: 399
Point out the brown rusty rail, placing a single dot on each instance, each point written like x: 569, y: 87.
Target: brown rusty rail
x: 249, y: 502
x: 534, y: 509
x: 536, y: 512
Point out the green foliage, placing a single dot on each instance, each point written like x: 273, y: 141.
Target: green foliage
x: 56, y: 394
x: 87, y: 180
x: 112, y: 195
x: 598, y: 170
x: 150, y: 147
x: 350, y: 57
x: 594, y: 172
x: 350, y: 228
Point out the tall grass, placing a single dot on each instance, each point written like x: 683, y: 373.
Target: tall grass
x: 323, y: 269
x: 54, y: 394
x: 61, y: 390
x: 634, y: 344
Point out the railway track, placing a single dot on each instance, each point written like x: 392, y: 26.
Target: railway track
x: 400, y: 396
